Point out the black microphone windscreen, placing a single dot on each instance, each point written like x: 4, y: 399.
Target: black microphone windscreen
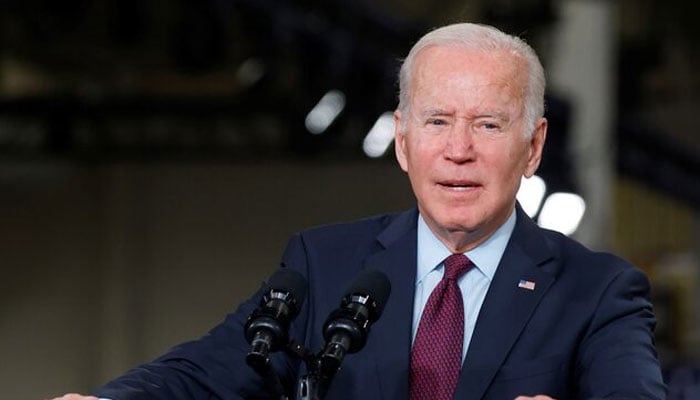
x: 291, y: 281
x: 374, y: 284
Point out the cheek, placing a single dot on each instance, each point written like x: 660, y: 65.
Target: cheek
x: 517, y: 152
x: 421, y: 154
x: 506, y: 163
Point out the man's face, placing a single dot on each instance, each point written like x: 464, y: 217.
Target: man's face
x: 464, y: 146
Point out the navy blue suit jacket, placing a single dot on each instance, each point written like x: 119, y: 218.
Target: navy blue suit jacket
x: 584, y: 332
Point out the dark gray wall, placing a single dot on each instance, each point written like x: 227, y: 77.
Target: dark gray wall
x: 105, y: 267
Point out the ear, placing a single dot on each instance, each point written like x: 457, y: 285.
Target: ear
x: 400, y: 142
x: 536, y: 146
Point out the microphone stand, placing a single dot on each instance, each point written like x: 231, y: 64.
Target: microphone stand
x: 259, y: 360
x: 308, y: 388
x: 312, y: 386
x: 320, y: 373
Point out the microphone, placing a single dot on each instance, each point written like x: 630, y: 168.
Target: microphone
x: 346, y: 328
x: 267, y: 328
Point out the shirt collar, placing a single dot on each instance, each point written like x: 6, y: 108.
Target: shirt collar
x: 486, y: 256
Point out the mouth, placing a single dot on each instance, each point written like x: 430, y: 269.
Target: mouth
x: 458, y: 185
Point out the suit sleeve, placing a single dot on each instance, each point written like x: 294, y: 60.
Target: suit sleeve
x: 617, y: 358
x: 212, y: 367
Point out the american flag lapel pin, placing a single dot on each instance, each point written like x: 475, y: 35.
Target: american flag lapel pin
x: 526, y: 284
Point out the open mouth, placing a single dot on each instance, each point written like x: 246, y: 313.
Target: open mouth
x: 458, y: 185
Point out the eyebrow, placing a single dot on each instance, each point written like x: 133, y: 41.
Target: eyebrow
x: 431, y: 112
x: 498, y: 115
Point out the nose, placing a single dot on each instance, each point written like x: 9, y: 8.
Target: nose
x: 459, y: 146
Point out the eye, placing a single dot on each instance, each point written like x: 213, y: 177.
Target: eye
x: 436, y: 121
x: 489, y: 126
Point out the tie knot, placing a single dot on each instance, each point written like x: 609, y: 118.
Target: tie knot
x: 456, y: 265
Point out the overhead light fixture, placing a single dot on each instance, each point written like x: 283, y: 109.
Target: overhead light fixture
x: 380, y: 136
x: 531, y: 193
x: 250, y: 71
x: 562, y: 212
x: 325, y: 112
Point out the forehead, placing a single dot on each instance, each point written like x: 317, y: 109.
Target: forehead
x: 452, y: 71
x: 469, y: 59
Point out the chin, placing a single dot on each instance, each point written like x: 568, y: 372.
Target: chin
x: 455, y: 217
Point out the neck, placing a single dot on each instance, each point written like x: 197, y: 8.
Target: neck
x: 462, y: 240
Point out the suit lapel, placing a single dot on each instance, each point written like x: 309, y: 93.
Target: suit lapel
x: 391, y: 335
x: 506, y: 308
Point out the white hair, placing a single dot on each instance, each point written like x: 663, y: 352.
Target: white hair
x: 479, y: 37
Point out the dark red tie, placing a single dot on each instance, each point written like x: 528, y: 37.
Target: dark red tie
x: 436, y: 357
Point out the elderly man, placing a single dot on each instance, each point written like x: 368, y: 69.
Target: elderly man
x: 484, y: 303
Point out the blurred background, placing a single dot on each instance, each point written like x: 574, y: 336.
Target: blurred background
x: 156, y: 155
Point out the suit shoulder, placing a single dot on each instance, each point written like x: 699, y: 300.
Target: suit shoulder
x: 335, y: 252
x: 574, y: 253
x: 365, y: 227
